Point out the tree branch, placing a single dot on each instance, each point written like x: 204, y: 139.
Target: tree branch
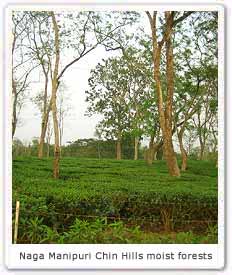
x: 83, y: 53
x: 181, y: 18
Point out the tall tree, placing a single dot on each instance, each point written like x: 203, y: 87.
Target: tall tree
x: 108, y: 96
x: 119, y: 90
x: 55, y: 84
x: 139, y: 84
x: 41, y: 47
x: 165, y: 101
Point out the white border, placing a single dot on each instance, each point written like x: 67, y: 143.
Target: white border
x: 12, y: 251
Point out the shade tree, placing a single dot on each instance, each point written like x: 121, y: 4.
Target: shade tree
x: 108, y: 95
x: 120, y: 90
x: 165, y: 96
x: 80, y: 32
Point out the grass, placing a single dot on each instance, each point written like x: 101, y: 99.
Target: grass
x: 125, y: 189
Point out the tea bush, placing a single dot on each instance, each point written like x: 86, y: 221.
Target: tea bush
x: 119, y: 190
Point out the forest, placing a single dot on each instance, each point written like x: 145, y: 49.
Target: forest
x: 147, y: 173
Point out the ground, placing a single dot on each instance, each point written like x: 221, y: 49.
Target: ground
x: 110, y: 201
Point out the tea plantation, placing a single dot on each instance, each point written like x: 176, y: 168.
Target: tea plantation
x: 110, y: 201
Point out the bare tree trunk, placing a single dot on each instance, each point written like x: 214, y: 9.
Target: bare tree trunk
x: 98, y: 150
x: 168, y: 145
x: 202, y: 132
x: 40, y: 53
x: 45, y: 116
x: 43, y: 131
x: 14, y: 115
x: 152, y: 150
x: 182, y: 149
x: 136, y: 148
x: 149, y: 152
x: 56, y: 134
x: 155, y: 155
x: 170, y: 157
x: 202, y: 148
x: 14, y: 91
x: 215, y: 148
x: 118, y: 150
x: 165, y: 108
x: 42, y: 135
x: 60, y: 140
x: 53, y: 98
x: 119, y: 146
x: 61, y: 129
x: 48, y: 149
x: 48, y: 138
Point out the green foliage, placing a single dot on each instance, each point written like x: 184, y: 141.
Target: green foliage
x: 99, y: 231
x: 212, y: 233
x: 87, y: 148
x: 35, y: 229
x: 119, y: 190
x: 97, y: 148
x: 121, y: 89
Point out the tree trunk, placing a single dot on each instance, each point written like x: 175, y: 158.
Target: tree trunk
x: 61, y: 133
x: 152, y: 150
x: 155, y: 155
x: 118, y: 150
x: 56, y: 133
x: 60, y: 146
x: 182, y: 149
x: 170, y: 157
x: 201, y: 128
x: 168, y: 145
x: 165, y: 110
x: 136, y: 148
x: 43, y: 131
x: 55, y: 85
x: 98, y: 150
x: 48, y: 149
x: 14, y: 114
x: 148, y: 153
x: 48, y: 139
x: 151, y: 153
x: 202, y: 149
x: 45, y: 116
